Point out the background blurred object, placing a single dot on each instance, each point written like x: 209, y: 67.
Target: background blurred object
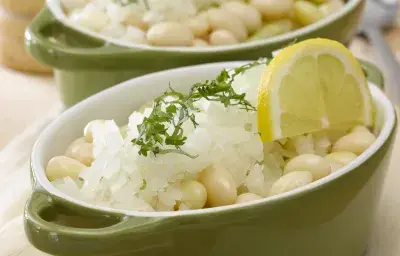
x: 26, y: 8
x: 15, y: 16
x: 23, y: 96
x: 85, y: 63
x: 393, y: 39
x: 379, y: 15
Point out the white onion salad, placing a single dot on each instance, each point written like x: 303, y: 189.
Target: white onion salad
x: 197, y: 150
x: 195, y: 23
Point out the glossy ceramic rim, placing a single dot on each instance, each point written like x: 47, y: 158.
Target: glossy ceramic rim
x: 55, y: 7
x: 378, y: 96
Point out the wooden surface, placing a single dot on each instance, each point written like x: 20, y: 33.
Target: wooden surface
x: 25, y: 98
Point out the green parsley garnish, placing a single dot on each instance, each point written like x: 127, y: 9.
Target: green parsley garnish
x: 128, y: 2
x: 163, y: 127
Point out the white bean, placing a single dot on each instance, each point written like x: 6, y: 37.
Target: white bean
x: 316, y: 165
x: 60, y: 167
x: 343, y: 158
x: 356, y: 142
x: 194, y: 194
x: 247, y: 197
x: 330, y: 7
x: 220, y: 186
x: 134, y: 18
x: 88, y: 131
x: 116, y: 13
x: 135, y: 35
x: 335, y: 166
x: 170, y: 34
x: 306, y: 12
x: 81, y: 151
x: 221, y: 19
x: 91, y: 17
x: 360, y: 128
x: 273, y: 9
x: 222, y: 37
x: 73, y: 4
x: 291, y: 181
x: 273, y: 28
x: 81, y: 140
x: 200, y: 43
x: 114, y: 31
x: 199, y: 26
x: 151, y: 18
x: 248, y: 14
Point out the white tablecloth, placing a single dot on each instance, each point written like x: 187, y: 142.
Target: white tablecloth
x: 15, y: 189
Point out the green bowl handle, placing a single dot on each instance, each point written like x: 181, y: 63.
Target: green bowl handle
x: 373, y: 73
x: 109, y: 234
x: 81, y: 51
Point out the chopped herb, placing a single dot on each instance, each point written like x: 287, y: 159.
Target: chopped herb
x: 128, y: 2
x: 144, y: 184
x: 163, y: 127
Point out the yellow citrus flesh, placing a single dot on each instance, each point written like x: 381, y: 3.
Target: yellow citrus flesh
x: 312, y: 85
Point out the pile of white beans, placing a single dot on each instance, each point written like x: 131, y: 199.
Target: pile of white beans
x: 231, y: 22
x: 215, y: 186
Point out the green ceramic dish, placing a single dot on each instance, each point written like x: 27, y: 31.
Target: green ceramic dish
x: 84, y: 65
x: 329, y: 217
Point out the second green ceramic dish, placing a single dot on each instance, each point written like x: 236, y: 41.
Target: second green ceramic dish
x: 330, y: 217
x: 84, y: 65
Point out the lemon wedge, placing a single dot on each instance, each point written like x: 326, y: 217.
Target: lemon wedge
x: 312, y: 85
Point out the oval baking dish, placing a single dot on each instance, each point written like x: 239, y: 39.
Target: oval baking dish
x: 85, y: 64
x: 329, y: 217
